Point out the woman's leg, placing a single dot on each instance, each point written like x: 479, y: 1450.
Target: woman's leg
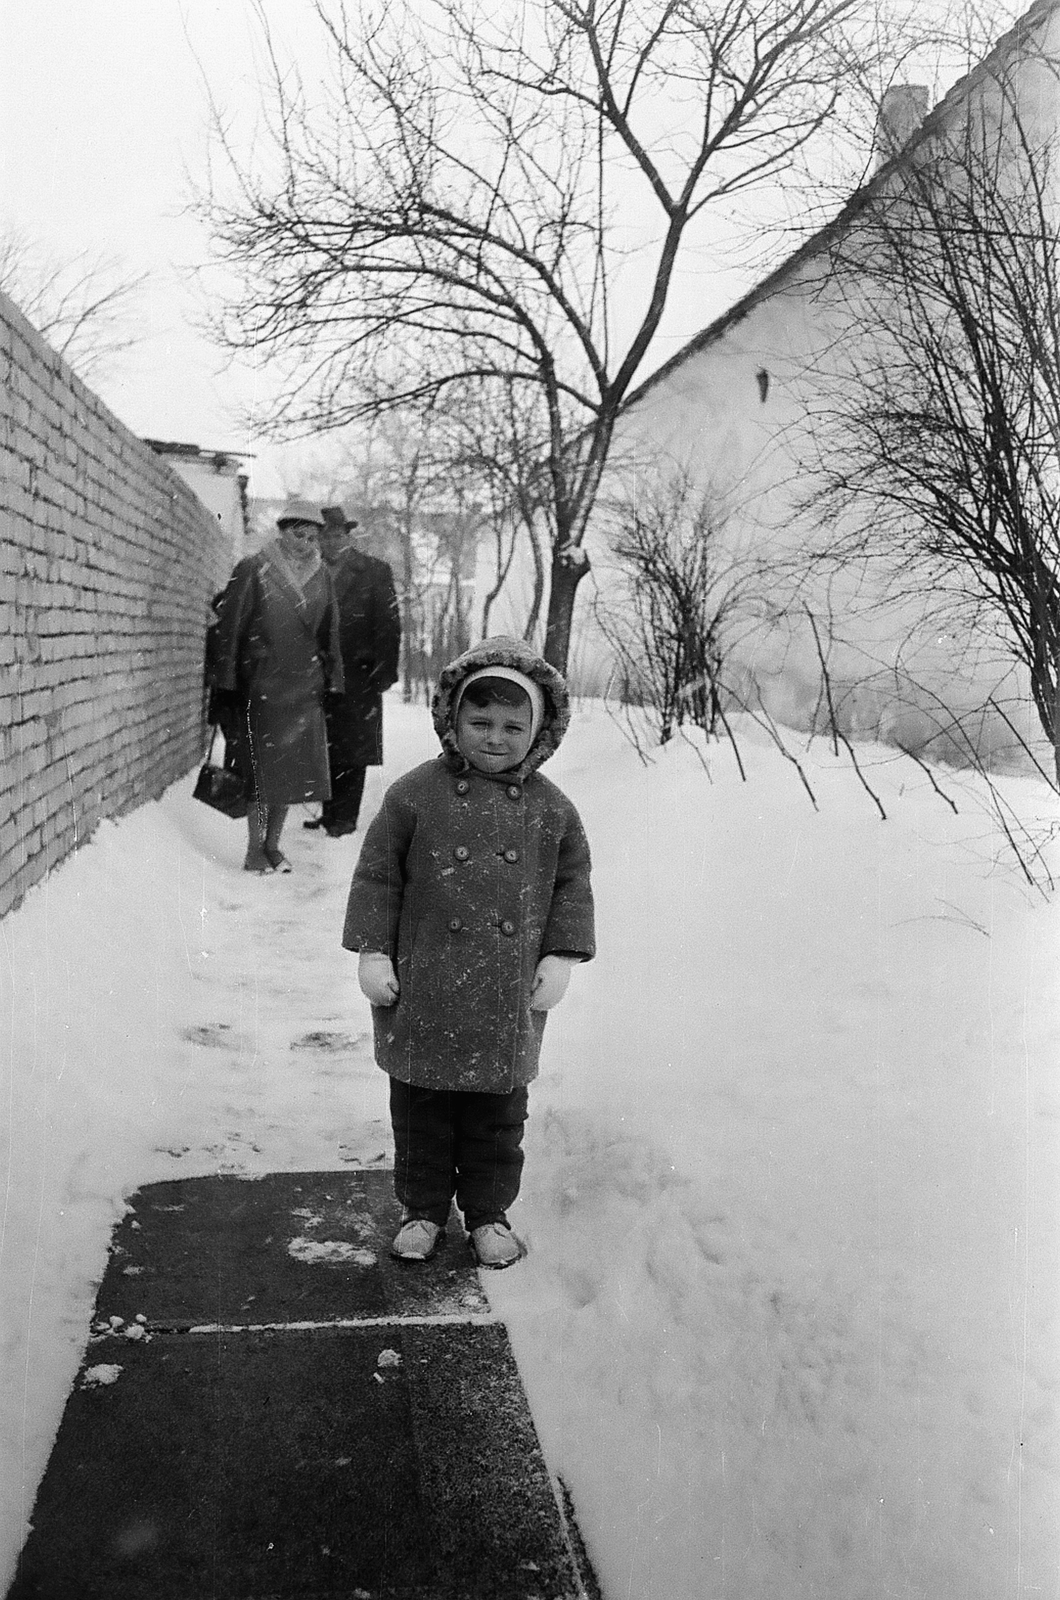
x: 257, y: 824
x: 276, y: 816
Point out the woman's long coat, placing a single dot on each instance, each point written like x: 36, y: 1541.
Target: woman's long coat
x: 370, y: 639
x: 466, y: 880
x: 276, y: 649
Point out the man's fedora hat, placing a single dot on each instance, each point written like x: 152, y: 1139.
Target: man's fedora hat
x: 337, y: 517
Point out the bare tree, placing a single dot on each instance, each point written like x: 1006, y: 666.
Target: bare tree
x: 460, y: 208
x: 938, y: 450
x: 413, y: 492
x: 488, y: 439
x: 670, y: 618
x: 394, y: 491
x: 83, y: 304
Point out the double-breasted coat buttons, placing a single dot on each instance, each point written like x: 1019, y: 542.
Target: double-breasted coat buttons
x: 463, y: 786
x: 461, y: 852
x: 514, y: 792
x: 507, y: 928
x: 455, y: 924
x: 511, y: 856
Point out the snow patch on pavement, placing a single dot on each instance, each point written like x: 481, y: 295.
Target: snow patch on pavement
x: 330, y: 1253
x: 101, y: 1376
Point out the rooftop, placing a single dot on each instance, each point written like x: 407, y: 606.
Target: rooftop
x: 933, y: 124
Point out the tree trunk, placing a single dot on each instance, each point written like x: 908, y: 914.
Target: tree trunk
x: 539, y: 583
x: 504, y: 564
x: 407, y: 575
x: 566, y: 575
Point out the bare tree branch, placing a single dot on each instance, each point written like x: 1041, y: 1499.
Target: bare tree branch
x: 84, y: 305
x: 464, y: 184
x: 936, y: 451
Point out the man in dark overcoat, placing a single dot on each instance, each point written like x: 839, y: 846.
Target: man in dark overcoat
x: 369, y: 639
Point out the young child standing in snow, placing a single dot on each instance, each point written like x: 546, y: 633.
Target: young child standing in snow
x: 469, y: 905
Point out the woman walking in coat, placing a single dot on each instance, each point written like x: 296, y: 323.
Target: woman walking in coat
x: 275, y: 656
x: 469, y: 906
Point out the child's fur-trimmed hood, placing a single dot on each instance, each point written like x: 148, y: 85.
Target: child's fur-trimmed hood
x: 502, y: 651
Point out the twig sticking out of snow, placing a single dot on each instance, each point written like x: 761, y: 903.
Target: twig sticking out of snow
x: 931, y: 777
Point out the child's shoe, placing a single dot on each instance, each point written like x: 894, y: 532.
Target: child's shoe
x: 416, y: 1240
x: 495, y: 1245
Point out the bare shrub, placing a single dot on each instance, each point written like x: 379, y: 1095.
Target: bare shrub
x: 678, y: 594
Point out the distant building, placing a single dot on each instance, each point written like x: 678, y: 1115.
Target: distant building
x: 218, y: 478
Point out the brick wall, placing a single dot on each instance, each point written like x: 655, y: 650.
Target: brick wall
x: 107, y: 565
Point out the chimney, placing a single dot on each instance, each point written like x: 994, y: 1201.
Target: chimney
x: 902, y: 110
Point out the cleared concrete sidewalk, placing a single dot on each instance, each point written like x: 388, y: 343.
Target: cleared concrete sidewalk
x: 269, y: 1406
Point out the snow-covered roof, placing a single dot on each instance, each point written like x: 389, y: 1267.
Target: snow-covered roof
x: 196, y: 452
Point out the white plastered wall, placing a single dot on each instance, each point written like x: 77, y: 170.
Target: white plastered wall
x: 897, y: 669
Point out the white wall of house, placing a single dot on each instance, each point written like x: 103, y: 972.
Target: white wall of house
x: 898, y: 669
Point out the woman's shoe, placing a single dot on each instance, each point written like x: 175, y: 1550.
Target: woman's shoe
x: 495, y: 1245
x: 276, y: 859
x: 259, y: 864
x: 416, y: 1240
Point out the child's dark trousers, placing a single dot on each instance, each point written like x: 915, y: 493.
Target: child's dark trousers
x: 453, y: 1142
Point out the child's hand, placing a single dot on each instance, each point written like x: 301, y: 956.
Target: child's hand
x: 550, y: 982
x: 376, y: 976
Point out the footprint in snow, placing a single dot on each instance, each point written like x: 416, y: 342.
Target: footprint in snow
x: 324, y: 1039
x: 213, y: 1036
x: 353, y: 1157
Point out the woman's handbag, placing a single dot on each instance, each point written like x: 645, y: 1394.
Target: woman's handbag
x: 220, y: 787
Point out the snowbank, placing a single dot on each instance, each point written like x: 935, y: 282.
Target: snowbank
x: 789, y: 1320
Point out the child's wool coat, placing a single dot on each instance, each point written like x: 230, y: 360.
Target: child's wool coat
x: 466, y: 880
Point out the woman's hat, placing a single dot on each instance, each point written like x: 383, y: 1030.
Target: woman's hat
x: 300, y: 511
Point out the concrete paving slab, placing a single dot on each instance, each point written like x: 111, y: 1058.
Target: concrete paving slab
x: 281, y: 1424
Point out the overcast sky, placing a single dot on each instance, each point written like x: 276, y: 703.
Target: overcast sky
x: 104, y: 111
x: 105, y: 108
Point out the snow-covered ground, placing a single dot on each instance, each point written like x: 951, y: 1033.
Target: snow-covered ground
x: 789, y: 1320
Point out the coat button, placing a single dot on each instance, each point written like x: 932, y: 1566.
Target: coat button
x: 508, y: 928
x: 514, y: 791
x: 461, y: 852
x: 455, y: 924
x: 511, y: 856
x: 463, y: 786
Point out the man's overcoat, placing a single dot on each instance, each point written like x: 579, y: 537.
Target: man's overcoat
x: 275, y: 649
x: 369, y: 638
x: 466, y: 880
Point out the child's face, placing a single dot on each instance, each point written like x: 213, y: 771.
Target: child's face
x: 493, y: 737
